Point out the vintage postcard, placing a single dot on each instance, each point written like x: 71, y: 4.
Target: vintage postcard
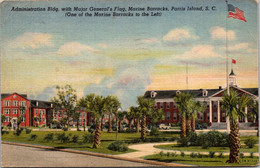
x: 129, y: 83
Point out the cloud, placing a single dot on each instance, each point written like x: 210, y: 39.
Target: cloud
x: 102, y: 45
x: 32, y: 40
x: 75, y: 48
x: 240, y: 46
x: 151, y: 40
x: 179, y: 35
x: 200, y: 51
x: 45, y: 95
x: 220, y: 33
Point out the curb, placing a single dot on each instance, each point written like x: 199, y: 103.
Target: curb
x: 101, y: 155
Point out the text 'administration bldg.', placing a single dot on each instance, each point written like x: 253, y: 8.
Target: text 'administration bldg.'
x: 211, y: 97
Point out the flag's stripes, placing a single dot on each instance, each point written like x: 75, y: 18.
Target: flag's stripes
x: 235, y: 13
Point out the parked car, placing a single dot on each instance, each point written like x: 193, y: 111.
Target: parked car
x: 165, y: 126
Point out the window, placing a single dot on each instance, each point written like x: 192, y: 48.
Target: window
x: 153, y: 94
x: 201, y: 116
x: 174, y: 105
x: 22, y: 119
x: 168, y: 105
x: 36, y: 111
x: 175, y: 116
x: 204, y: 93
x: 43, y: 119
x: 84, y: 120
x: 40, y: 112
x: 15, y: 111
x: 215, y: 104
x: 7, y: 111
x: 22, y: 103
x: 155, y: 105
x: 223, y: 116
x: 84, y: 115
x: 15, y: 103
x: 215, y: 116
x: 207, y: 115
x: 7, y: 103
x: 161, y: 105
x: 7, y: 119
x: 168, y: 115
x: 43, y: 111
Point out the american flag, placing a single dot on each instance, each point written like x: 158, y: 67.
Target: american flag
x: 234, y: 12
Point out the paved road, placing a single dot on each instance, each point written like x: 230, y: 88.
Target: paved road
x: 14, y: 156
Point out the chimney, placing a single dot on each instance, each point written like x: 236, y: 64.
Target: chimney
x: 37, y: 103
x: 220, y: 87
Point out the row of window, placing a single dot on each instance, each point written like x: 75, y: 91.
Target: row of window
x: 9, y: 119
x: 161, y: 105
x: 41, y: 111
x: 14, y: 103
x: 14, y: 111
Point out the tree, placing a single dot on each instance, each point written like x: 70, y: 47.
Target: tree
x: 35, y: 119
x: 120, y: 116
x: 196, y: 107
x: 76, y: 117
x: 182, y: 101
x: 146, y: 107
x: 2, y: 119
x: 156, y: 116
x: 253, y: 105
x: 66, y: 99
x: 97, y: 105
x: 130, y: 116
x: 234, y: 106
x: 137, y: 115
x: 112, y: 107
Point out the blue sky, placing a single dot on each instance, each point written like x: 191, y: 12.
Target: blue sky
x: 125, y: 56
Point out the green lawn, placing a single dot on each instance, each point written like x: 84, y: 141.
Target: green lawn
x: 244, y: 148
x: 204, y: 161
x: 106, y: 139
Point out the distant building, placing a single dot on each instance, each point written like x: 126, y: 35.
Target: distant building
x: 211, y: 97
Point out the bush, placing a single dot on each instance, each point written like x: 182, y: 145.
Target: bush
x: 118, y: 146
x: 161, y: 153
x: 191, y: 138
x: 205, y: 145
x: 220, y: 155
x: 33, y: 137
x: 250, y: 142
x: 168, y: 154
x: 252, y: 154
x: 199, y: 155
x: 182, y: 154
x: 212, y: 139
x: 174, y: 154
x: 241, y: 155
x: 154, y: 132
x: 48, y: 137
x: 192, y: 155
x: 17, y: 133
x: 28, y: 131
x: 62, y: 137
x: 88, y: 138
x: 75, y: 138
x: 65, y: 129
x: 211, y: 154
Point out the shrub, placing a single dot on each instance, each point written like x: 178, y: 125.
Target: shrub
x: 21, y: 129
x: 118, y: 146
x: 75, y: 138
x: 220, y: 155
x: 17, y: 133
x: 212, y: 139
x: 65, y: 129
x: 211, y: 154
x: 205, y: 145
x: 192, y: 155
x: 154, y: 132
x: 168, y: 154
x: 161, y: 153
x: 252, y: 154
x: 241, y: 155
x: 88, y: 138
x: 33, y: 137
x: 182, y: 154
x: 174, y: 154
x: 192, y: 138
x: 182, y: 142
x: 62, y: 137
x: 250, y: 142
x: 48, y: 137
x: 28, y: 131
x: 199, y: 155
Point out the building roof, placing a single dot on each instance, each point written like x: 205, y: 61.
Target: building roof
x: 41, y: 104
x: 4, y: 95
x: 163, y: 94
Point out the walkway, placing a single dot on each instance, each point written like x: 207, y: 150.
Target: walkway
x: 149, y: 149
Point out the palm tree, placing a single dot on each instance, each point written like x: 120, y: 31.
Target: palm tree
x: 130, y: 116
x: 137, y: 115
x: 182, y: 100
x: 112, y: 108
x: 120, y: 116
x: 196, y: 107
x: 234, y: 106
x: 146, y: 107
x: 97, y: 105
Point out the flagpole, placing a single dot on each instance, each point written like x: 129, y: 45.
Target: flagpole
x: 227, y: 51
x: 227, y: 118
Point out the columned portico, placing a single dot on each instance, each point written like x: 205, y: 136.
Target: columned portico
x: 218, y: 112
x: 210, y: 111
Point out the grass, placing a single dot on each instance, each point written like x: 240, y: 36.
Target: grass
x: 106, y: 139
x: 244, y: 148
x: 204, y: 161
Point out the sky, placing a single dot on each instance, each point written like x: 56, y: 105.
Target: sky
x: 126, y: 56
